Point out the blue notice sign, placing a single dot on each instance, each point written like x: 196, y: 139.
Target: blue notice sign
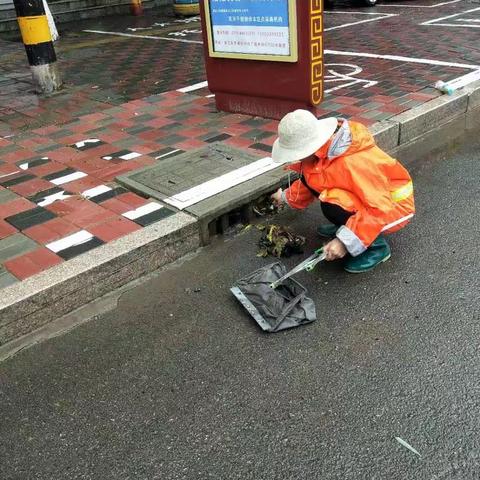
x: 252, y: 27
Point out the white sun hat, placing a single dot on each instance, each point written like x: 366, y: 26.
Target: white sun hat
x: 301, y: 134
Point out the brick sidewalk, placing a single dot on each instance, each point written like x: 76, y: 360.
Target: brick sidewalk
x: 59, y: 156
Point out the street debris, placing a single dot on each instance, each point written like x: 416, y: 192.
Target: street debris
x: 279, y: 242
x: 264, y: 206
x: 406, y: 445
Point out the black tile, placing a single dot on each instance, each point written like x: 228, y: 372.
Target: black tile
x: 261, y: 146
x: 61, y: 173
x: 218, y: 138
x: 34, y: 163
x: 30, y: 218
x: 71, y: 252
x: 153, y: 216
x: 107, y: 195
x: 40, y: 196
x: 88, y: 146
x: 117, y: 154
x: 15, y: 181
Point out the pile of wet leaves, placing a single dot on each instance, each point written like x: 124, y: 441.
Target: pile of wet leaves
x: 279, y: 241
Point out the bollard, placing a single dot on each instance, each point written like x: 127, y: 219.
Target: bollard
x: 185, y: 8
x: 37, y: 39
x: 136, y: 7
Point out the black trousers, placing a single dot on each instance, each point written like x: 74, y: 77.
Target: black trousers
x: 335, y: 214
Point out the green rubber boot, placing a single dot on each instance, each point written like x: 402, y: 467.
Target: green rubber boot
x: 328, y: 231
x: 376, y: 253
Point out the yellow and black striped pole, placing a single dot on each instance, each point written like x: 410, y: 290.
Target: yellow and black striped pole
x: 37, y: 39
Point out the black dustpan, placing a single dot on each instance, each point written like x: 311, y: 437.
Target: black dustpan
x: 274, y: 309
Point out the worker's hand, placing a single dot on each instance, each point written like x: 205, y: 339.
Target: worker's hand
x: 334, y: 249
x: 277, y: 198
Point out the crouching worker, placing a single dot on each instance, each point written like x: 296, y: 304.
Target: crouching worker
x: 363, y: 192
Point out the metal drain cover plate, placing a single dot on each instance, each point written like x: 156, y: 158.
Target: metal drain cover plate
x: 176, y: 175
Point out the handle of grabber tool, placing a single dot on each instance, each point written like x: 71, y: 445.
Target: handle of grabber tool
x: 315, y: 261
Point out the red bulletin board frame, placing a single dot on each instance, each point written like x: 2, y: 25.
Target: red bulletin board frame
x: 267, y: 88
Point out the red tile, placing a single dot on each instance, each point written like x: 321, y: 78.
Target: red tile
x: 113, y: 229
x: 6, y: 229
x: 31, y: 187
x: 109, y: 174
x: 50, y: 231
x: 15, y: 206
x: 132, y: 199
x: 116, y: 206
x: 47, y: 168
x: 22, y: 267
x: 79, y: 186
x: 85, y: 213
x: 31, y: 263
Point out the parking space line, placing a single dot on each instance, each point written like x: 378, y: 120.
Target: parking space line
x: 402, y: 59
x: 381, y: 16
x: 440, y: 19
x: 402, y: 5
x: 191, y: 88
x: 152, y: 37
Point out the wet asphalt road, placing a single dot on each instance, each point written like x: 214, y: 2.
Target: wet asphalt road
x: 178, y: 384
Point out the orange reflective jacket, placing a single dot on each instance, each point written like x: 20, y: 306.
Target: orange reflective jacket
x: 353, y: 173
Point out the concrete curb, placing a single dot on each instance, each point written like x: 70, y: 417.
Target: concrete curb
x: 44, y: 297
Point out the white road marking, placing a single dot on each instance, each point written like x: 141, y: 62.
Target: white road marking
x: 153, y: 37
x: 381, y: 16
x: 143, y: 210
x: 68, y: 178
x: 130, y: 156
x: 440, y: 19
x: 453, y: 25
x: 48, y: 200
x: 191, y: 88
x: 93, y: 192
x: 335, y: 76
x: 399, y: 58
x: 84, y: 142
x: 71, y: 241
x: 220, y: 184
x: 402, y: 5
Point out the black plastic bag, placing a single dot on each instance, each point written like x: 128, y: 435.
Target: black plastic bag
x: 286, y: 306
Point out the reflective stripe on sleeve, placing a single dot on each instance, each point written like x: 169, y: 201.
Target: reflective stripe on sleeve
x: 403, y: 192
x: 352, y: 243
x: 397, y: 222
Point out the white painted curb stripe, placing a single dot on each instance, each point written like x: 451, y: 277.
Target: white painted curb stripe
x: 220, y: 184
x: 166, y: 154
x: 143, y: 210
x: 48, y: 200
x: 130, y: 156
x: 75, y: 239
x: 68, y: 178
x: 399, y: 58
x: 429, y: 22
x: 168, y: 39
x: 191, y: 88
x: 95, y: 191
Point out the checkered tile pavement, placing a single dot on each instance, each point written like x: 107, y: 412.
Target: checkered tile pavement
x: 59, y: 156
